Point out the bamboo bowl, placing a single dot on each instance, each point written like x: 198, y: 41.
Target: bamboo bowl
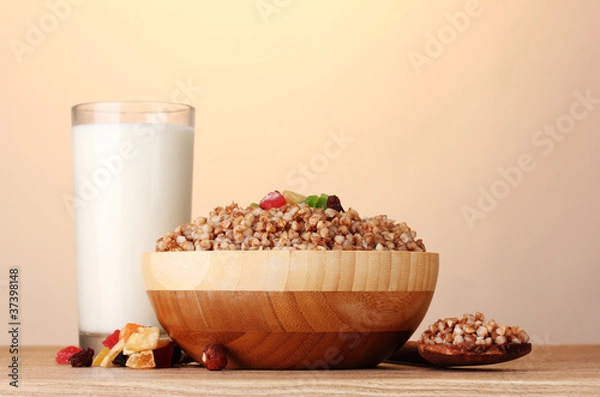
x: 291, y: 309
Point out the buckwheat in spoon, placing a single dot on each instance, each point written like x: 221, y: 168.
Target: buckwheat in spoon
x: 471, y: 340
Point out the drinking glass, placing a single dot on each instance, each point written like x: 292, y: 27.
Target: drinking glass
x: 133, y: 165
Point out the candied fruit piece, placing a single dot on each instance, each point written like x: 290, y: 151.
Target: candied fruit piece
x: 162, y: 343
x: 272, y: 200
x: 145, y: 338
x: 143, y: 359
x: 311, y: 200
x: 129, y: 329
x: 113, y: 353
x: 98, y: 359
x: 112, y: 339
x: 322, y: 201
x: 293, y: 197
x: 315, y: 201
x: 63, y: 355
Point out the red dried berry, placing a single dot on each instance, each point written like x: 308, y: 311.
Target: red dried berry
x: 63, y: 355
x: 272, y: 200
x: 165, y: 356
x: 83, y: 358
x: 112, y: 339
x: 334, y: 202
x: 214, y: 357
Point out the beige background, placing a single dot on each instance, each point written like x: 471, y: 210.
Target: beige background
x: 424, y: 127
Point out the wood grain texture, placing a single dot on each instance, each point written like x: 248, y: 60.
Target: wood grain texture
x: 291, y: 270
x: 292, y: 330
x: 549, y: 370
x: 292, y: 309
x: 413, y: 352
x: 465, y: 354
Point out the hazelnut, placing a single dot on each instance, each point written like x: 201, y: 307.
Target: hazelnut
x: 214, y: 357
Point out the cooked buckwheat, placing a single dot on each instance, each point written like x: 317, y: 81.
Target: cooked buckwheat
x: 472, y: 329
x: 294, y: 227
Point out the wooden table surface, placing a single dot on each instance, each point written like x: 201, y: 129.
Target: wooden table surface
x: 548, y: 371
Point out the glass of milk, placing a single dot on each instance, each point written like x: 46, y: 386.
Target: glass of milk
x: 133, y: 166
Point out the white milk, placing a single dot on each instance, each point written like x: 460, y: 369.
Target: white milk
x: 133, y: 184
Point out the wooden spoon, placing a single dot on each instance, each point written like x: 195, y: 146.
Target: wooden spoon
x: 447, y: 355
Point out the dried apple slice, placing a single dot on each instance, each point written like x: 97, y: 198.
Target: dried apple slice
x: 114, y: 352
x: 144, y: 338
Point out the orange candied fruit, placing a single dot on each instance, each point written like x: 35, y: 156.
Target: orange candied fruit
x: 129, y: 329
x: 143, y: 359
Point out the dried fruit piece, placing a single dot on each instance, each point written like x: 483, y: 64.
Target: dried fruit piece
x: 311, y: 200
x: 98, y: 359
x: 63, y: 355
x: 293, y: 197
x: 142, y: 359
x: 83, y: 358
x: 129, y: 329
x: 315, y: 201
x: 114, y: 352
x: 334, y: 202
x: 322, y: 201
x: 112, y: 339
x: 272, y: 200
x: 120, y: 360
x: 162, y: 343
x: 144, y: 338
x: 214, y: 357
x: 164, y: 356
x: 296, y: 227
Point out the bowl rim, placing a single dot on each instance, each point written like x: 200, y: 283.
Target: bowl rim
x: 291, y: 270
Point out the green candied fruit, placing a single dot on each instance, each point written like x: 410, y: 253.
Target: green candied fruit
x: 311, y: 200
x: 255, y: 205
x: 322, y: 201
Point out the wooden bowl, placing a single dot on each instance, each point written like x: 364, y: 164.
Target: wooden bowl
x: 292, y: 309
